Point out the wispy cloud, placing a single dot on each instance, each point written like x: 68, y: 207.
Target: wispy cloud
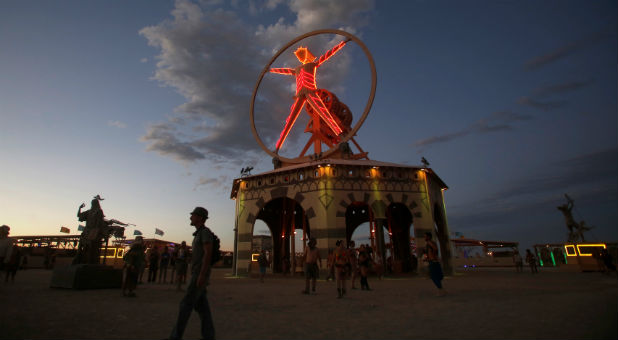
x: 589, y: 178
x: 539, y: 98
x: 118, y: 124
x: 566, y: 50
x: 497, y: 121
x: 213, y: 58
x: 559, y: 88
x: 541, y: 105
x: 213, y: 183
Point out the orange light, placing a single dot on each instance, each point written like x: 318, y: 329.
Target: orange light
x: 254, y: 257
x: 304, y: 55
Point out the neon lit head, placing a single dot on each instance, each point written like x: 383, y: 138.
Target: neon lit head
x: 304, y: 55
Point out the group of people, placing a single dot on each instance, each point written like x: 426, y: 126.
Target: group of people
x: 158, y: 262
x: 530, y: 260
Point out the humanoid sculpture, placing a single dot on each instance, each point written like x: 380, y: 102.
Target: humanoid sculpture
x: 306, y: 90
x: 89, y: 248
x: 97, y: 229
x: 576, y: 230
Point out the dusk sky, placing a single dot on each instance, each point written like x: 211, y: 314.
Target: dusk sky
x: 513, y: 103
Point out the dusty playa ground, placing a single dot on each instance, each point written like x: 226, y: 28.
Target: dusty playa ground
x: 484, y: 303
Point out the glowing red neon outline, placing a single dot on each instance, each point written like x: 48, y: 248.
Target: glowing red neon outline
x: 305, y: 89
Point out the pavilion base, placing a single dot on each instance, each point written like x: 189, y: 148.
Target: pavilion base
x: 86, y: 276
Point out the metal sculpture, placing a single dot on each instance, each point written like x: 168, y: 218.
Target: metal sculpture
x: 330, y: 120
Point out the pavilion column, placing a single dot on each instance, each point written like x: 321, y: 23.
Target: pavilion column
x: 379, y: 235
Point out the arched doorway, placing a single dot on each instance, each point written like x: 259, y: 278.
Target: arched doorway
x: 286, y: 221
x: 398, y: 223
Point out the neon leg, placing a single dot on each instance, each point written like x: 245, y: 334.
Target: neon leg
x: 318, y: 105
x: 289, y: 122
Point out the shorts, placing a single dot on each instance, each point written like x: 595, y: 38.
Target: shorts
x: 311, y: 270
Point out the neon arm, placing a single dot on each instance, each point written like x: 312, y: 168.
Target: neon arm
x: 332, y: 52
x: 287, y: 71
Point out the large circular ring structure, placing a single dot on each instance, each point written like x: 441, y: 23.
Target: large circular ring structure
x: 350, y: 133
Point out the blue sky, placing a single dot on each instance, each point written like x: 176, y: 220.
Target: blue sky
x: 513, y: 103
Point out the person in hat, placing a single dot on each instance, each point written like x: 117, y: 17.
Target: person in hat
x: 195, y: 297
x: 313, y: 264
x: 134, y: 260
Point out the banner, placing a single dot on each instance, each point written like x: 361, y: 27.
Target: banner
x: 137, y: 232
x: 158, y: 231
x: 65, y: 230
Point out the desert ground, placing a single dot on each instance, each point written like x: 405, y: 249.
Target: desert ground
x: 481, y: 304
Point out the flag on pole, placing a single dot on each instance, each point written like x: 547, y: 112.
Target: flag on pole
x: 81, y: 228
x: 65, y: 230
x: 137, y: 232
x: 158, y: 231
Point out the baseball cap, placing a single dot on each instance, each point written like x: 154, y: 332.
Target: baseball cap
x: 199, y: 211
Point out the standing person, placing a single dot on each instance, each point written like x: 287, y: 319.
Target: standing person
x: 330, y: 265
x: 341, y: 264
x: 519, y: 262
x: 153, y: 264
x: 353, y: 263
x: 134, y: 260
x: 12, y: 264
x: 313, y: 264
x: 263, y: 263
x: 163, y: 264
x: 181, y: 264
x: 435, y: 269
x: 173, y: 255
x: 6, y: 245
x: 195, y: 298
x: 364, y: 262
x: 531, y: 260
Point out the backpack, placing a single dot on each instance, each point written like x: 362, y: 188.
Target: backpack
x: 216, y: 249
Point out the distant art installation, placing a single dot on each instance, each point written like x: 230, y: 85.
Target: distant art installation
x: 576, y: 230
x: 96, y: 231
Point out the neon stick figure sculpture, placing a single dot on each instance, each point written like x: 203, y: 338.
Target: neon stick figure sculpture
x: 332, y: 126
x: 306, y: 91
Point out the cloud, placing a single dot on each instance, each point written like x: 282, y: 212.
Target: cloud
x: 497, y: 121
x: 537, y: 104
x: 589, y: 178
x: 566, y: 50
x: 117, y: 124
x: 560, y: 88
x: 212, y: 57
x: 143, y: 60
x: 213, y: 183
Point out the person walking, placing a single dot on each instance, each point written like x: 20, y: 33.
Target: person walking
x: 519, y: 262
x: 341, y: 264
x: 263, y: 263
x: 163, y: 264
x: 182, y: 255
x: 330, y: 265
x: 195, y: 297
x: 6, y: 245
x: 435, y: 269
x: 364, y: 263
x: 153, y: 264
x: 531, y: 260
x: 313, y: 264
x: 353, y: 263
x: 134, y: 259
